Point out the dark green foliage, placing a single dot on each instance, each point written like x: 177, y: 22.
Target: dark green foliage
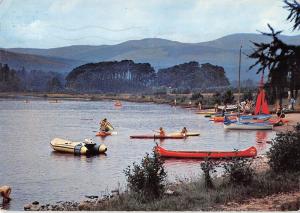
x: 284, y: 155
x: 282, y: 60
x: 147, y: 180
x: 54, y: 85
x: 9, y: 81
x: 248, y: 95
x: 208, y: 168
x: 197, y: 96
x: 239, y: 171
x: 191, y: 75
x: 217, y: 98
x: 294, y: 7
x: 228, y: 97
x: 111, y: 76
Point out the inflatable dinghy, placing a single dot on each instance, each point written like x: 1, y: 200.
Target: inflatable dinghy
x: 78, y: 148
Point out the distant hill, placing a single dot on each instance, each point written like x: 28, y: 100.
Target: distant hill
x: 37, y: 62
x: 162, y: 53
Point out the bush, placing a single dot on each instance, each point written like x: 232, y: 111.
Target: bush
x: 197, y: 96
x: 239, y: 171
x: 228, y: 97
x: 217, y: 99
x: 208, y: 168
x: 147, y: 180
x: 284, y: 155
x: 247, y: 95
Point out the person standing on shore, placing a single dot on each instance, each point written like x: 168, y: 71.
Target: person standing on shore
x: 5, y: 192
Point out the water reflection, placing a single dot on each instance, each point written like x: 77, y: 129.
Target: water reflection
x: 69, y: 156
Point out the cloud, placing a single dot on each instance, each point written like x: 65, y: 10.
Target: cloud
x: 63, y: 6
x: 52, y: 23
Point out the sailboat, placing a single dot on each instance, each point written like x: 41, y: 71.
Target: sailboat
x: 261, y: 108
x: 261, y: 103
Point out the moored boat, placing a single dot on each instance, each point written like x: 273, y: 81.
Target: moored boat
x: 77, y: 148
x: 248, y: 126
x: 247, y: 153
x: 188, y: 134
x: 156, y: 136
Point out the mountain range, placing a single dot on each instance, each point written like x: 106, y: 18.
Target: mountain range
x: 160, y: 53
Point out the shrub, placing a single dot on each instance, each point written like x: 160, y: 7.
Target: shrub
x: 228, y: 97
x: 217, y: 99
x: 284, y: 154
x: 247, y: 95
x: 239, y: 171
x: 208, y: 168
x: 197, y: 96
x: 147, y: 180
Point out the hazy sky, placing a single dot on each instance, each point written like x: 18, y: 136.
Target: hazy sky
x: 54, y: 23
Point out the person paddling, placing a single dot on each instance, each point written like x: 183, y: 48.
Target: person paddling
x: 184, y: 131
x: 105, y: 126
x: 162, y: 132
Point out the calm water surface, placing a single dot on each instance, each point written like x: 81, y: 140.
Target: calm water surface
x: 35, y: 172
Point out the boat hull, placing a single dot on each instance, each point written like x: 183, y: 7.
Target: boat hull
x: 244, y: 126
x: 77, y: 148
x: 157, y: 137
x: 103, y: 134
x: 247, y: 153
x: 188, y: 134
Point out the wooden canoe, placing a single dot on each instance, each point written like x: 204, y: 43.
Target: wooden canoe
x: 247, y: 153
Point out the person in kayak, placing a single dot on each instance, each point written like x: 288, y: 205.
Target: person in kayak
x: 162, y: 132
x: 5, y: 192
x: 105, y: 126
x: 184, y: 131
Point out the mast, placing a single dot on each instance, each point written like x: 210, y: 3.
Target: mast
x: 239, y: 81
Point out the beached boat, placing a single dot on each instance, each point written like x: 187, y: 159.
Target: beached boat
x: 156, y: 136
x: 256, y: 117
x: 221, y: 118
x: 247, y: 126
x: 77, y: 148
x: 247, y: 153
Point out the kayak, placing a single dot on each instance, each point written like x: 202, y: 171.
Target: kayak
x: 77, y: 148
x: 103, y: 134
x: 248, y: 126
x: 247, y: 153
x: 187, y: 134
x: 157, y: 137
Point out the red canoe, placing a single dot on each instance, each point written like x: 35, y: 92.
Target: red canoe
x: 103, y: 134
x: 157, y: 137
x: 247, y: 153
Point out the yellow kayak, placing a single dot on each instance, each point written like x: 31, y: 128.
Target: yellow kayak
x: 187, y: 134
x: 77, y: 148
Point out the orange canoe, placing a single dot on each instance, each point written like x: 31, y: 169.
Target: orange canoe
x: 247, y: 153
x: 103, y: 134
x: 221, y: 118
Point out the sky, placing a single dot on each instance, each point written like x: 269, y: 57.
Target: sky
x: 56, y: 23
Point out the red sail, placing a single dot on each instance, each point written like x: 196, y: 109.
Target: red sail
x: 261, y: 103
